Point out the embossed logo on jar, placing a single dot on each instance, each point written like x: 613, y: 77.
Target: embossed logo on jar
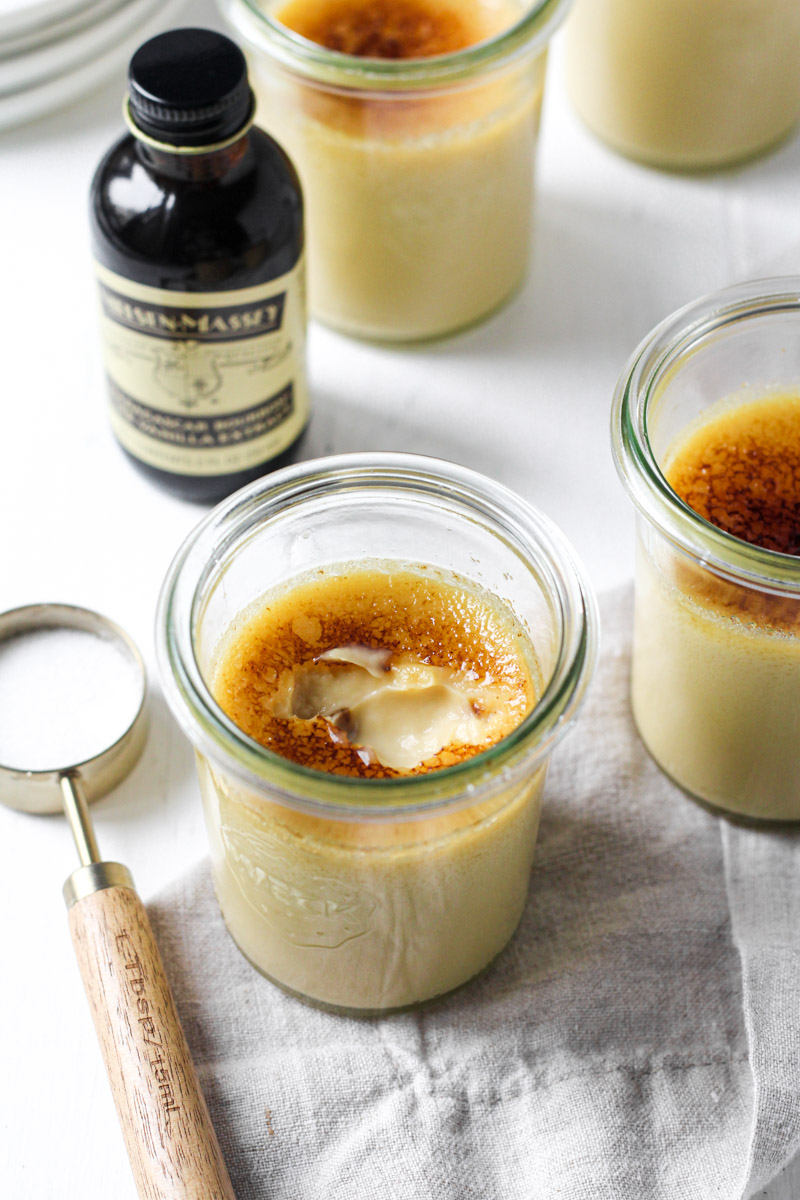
x: 304, y: 906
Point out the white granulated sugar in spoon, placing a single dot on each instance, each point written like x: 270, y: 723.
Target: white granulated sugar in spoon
x: 65, y: 696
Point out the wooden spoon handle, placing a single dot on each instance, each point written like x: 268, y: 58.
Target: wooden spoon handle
x: 168, y: 1133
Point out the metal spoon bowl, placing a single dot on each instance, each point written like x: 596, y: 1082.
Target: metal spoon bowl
x: 41, y: 791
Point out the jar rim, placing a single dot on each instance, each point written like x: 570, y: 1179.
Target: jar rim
x: 671, y: 341
x: 529, y: 34
x: 322, y: 794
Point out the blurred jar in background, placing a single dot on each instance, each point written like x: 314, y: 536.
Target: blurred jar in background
x: 686, y: 83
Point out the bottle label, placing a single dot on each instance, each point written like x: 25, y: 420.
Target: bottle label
x: 205, y: 383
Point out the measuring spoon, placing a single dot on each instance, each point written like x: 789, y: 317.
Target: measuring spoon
x: 55, y: 658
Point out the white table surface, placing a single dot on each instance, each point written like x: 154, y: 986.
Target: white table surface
x: 524, y: 398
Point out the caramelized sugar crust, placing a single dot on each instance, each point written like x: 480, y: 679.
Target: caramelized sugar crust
x: 741, y: 472
x: 388, y: 28
x: 412, y: 615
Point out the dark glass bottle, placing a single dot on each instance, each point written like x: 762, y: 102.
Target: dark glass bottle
x: 197, y: 233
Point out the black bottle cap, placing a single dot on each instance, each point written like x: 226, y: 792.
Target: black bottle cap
x: 189, y: 87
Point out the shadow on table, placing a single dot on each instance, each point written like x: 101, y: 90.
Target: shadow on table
x: 345, y: 426
x: 165, y: 771
x: 589, y: 289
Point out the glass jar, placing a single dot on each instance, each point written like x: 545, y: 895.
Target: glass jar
x: 362, y: 894
x: 417, y: 173
x: 685, y: 83
x: 716, y: 651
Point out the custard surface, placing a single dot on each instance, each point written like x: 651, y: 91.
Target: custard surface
x: 425, y: 623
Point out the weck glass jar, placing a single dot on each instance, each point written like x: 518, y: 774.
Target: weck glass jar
x: 362, y: 894
x: 716, y: 652
x: 417, y: 173
x: 685, y: 84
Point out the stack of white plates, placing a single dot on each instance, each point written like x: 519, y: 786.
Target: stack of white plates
x: 52, y: 51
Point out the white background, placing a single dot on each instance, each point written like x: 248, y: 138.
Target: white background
x: 524, y: 398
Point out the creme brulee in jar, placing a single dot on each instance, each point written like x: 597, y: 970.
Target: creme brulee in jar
x: 713, y: 467
x: 373, y: 733
x: 413, y: 124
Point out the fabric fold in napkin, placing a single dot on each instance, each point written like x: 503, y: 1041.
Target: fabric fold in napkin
x: 639, y: 1039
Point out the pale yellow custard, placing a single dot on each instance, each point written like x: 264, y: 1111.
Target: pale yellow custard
x: 685, y: 83
x: 361, y: 913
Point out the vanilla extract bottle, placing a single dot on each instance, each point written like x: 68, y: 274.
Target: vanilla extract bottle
x: 197, y: 233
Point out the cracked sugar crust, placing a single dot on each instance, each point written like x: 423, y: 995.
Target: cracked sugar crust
x: 740, y: 470
x: 415, y: 614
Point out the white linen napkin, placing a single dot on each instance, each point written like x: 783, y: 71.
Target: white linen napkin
x: 639, y: 1039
